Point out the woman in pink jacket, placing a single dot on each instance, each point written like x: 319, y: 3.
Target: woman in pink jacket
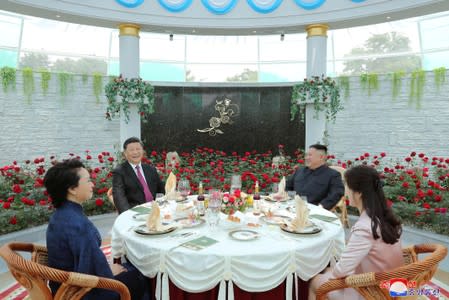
x: 374, y: 243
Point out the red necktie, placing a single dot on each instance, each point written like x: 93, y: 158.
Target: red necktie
x: 146, y: 190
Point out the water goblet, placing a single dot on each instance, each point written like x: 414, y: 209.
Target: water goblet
x: 184, y: 188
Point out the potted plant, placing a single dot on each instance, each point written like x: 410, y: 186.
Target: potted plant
x: 122, y: 92
x: 322, y: 91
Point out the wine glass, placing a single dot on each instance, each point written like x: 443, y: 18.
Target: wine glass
x: 184, y: 188
x: 236, y: 183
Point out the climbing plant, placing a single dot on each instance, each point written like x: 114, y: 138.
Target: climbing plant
x: 8, y: 75
x: 28, y: 83
x: 396, y: 83
x: 45, y: 79
x: 439, y: 75
x: 370, y: 82
x: 64, y: 81
x: 417, y: 81
x: 343, y: 83
x: 97, y: 85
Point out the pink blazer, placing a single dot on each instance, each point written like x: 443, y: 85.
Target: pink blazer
x: 363, y: 254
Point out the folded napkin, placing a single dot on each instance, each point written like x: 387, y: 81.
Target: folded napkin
x: 302, y: 215
x: 281, y: 189
x: 154, y: 218
x: 170, y: 187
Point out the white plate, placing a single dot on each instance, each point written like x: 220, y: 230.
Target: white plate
x: 244, y: 235
x: 143, y: 229
x: 187, y: 222
x: 271, y: 198
x: 311, y: 229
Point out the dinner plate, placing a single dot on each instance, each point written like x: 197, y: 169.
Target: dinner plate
x: 311, y: 229
x: 271, y: 198
x: 244, y: 234
x: 143, y: 229
x: 188, y: 222
x: 275, y: 219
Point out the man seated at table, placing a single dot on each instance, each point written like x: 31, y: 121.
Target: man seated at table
x: 133, y: 182
x: 321, y: 185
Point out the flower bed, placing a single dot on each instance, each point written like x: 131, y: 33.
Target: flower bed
x: 417, y: 187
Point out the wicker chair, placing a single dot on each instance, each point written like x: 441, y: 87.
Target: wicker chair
x: 341, y: 205
x: 34, y: 275
x: 369, y: 284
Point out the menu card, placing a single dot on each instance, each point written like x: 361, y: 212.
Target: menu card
x: 324, y: 218
x: 199, y: 243
x: 141, y: 209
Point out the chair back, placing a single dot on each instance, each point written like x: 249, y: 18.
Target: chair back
x: 370, y: 285
x: 34, y: 275
x: 341, y: 205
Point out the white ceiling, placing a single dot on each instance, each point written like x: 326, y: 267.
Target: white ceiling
x: 242, y: 20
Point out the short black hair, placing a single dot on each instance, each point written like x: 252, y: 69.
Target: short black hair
x: 132, y: 140
x: 60, y: 178
x: 319, y: 147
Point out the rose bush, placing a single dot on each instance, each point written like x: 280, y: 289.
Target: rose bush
x: 417, y: 186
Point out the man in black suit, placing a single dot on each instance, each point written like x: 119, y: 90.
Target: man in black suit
x: 134, y: 183
x: 322, y: 185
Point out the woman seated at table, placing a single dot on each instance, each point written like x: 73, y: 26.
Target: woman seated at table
x: 374, y: 243
x: 73, y: 242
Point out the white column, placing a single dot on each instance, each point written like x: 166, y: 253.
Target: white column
x: 129, y: 68
x: 316, y: 66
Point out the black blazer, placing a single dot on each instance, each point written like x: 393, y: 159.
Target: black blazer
x: 126, y: 188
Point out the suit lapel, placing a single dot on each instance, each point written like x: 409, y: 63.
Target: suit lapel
x: 132, y: 174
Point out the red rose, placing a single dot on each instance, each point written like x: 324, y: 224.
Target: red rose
x: 88, y: 157
x: 437, y: 198
x: 383, y: 154
x: 6, y: 205
x: 429, y: 192
x: 408, y: 159
x: 443, y: 210
x: 405, y: 184
x: 99, y: 202
x: 426, y: 205
x: 110, y: 158
x: 413, y: 154
x: 16, y: 188
x: 13, y: 220
x: 417, y: 213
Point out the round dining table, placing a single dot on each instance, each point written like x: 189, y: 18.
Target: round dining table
x: 247, y: 259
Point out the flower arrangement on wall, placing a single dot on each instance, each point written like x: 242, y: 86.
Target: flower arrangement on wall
x: 121, y: 92
x: 322, y: 91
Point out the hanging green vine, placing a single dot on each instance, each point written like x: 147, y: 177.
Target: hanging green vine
x: 8, y: 75
x: 343, y: 83
x: 84, y: 78
x: 98, y: 85
x: 369, y: 81
x: 28, y: 83
x: 64, y: 81
x: 133, y: 90
x: 322, y: 92
x: 417, y: 82
x: 439, y: 75
x: 45, y: 79
x: 396, y: 83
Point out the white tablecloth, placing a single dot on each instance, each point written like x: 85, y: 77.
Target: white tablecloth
x: 255, y: 266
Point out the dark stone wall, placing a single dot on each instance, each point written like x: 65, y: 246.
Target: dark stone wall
x: 262, y: 124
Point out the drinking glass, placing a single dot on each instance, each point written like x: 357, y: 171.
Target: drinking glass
x: 213, y: 217
x: 160, y: 199
x: 214, y: 199
x: 236, y: 183
x: 184, y: 188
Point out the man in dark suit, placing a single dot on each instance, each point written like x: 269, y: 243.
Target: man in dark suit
x: 134, y: 183
x: 322, y: 185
